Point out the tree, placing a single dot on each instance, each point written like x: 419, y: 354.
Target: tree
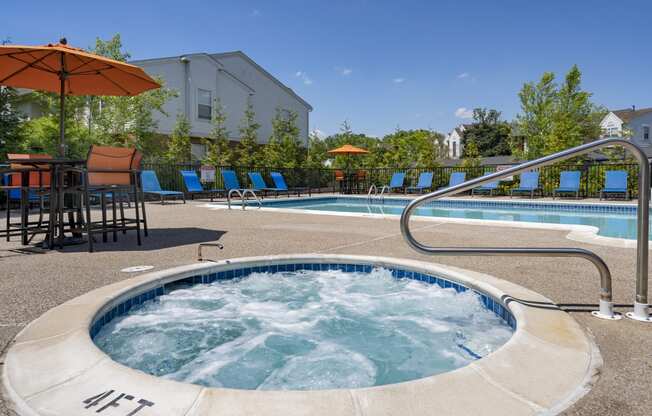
x: 179, y: 148
x: 283, y: 148
x: 10, y: 121
x: 126, y: 120
x: 218, y: 150
x: 471, y: 155
x: 535, y: 122
x: 291, y: 148
x: 554, y: 117
x: 574, y: 119
x: 316, y: 152
x: 489, y: 133
x: 412, y: 148
x: 248, y: 152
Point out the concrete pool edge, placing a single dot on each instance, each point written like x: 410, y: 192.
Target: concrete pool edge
x: 581, y: 233
x: 547, y: 364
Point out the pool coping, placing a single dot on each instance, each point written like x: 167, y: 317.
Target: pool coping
x: 576, y: 232
x: 547, y: 365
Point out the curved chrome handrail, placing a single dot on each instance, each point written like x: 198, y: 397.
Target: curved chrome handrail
x: 641, y: 307
x: 228, y: 196
x: 250, y: 191
x: 374, y: 189
x: 382, y: 193
x: 242, y: 194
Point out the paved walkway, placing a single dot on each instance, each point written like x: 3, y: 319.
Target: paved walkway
x: 33, y: 282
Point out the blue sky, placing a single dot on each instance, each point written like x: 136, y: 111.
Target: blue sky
x: 380, y: 64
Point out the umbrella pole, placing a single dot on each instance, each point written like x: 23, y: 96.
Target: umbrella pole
x: 62, y: 107
x: 62, y: 118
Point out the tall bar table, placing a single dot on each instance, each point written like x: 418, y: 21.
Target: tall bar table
x: 62, y: 178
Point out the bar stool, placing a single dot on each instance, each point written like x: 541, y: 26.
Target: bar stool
x: 113, y: 173
x: 38, y: 181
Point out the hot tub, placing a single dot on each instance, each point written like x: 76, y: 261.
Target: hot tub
x: 380, y: 344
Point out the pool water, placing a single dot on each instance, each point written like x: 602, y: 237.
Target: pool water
x: 305, y: 330
x: 609, y: 224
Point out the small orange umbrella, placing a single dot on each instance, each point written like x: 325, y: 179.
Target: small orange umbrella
x: 348, y: 149
x: 69, y: 71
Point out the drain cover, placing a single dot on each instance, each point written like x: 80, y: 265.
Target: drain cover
x: 136, y: 269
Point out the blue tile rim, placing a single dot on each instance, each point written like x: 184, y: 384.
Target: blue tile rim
x: 121, y: 308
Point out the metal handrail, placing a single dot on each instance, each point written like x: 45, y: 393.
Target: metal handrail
x: 372, y: 188
x: 242, y: 194
x: 199, y: 254
x: 641, y: 307
x: 382, y: 193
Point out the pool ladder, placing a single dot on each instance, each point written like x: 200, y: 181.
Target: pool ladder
x: 242, y: 193
x: 641, y: 307
x: 373, y: 192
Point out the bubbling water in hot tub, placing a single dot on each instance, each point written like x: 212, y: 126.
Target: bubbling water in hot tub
x: 305, y: 330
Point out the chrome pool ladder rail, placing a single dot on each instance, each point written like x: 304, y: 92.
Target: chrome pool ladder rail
x: 373, y: 191
x: 641, y: 307
x: 242, y: 193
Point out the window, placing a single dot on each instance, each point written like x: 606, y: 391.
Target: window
x: 204, y: 104
x: 454, y: 149
x: 646, y: 133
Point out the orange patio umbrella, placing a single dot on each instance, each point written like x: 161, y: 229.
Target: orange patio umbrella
x: 348, y: 150
x: 66, y: 70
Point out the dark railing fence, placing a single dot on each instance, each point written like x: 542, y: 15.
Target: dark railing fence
x: 323, y: 179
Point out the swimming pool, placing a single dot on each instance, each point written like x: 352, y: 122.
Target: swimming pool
x: 612, y: 220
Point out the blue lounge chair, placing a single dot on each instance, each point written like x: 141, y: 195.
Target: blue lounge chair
x: 455, y: 179
x: 529, y: 184
x: 194, y: 186
x: 151, y: 186
x: 258, y: 183
x: 397, y: 182
x: 231, y: 181
x: 425, y: 182
x: 279, y: 183
x: 487, y: 188
x: 615, y: 183
x: 569, y: 183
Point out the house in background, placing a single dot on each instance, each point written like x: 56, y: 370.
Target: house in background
x: 636, y: 122
x: 454, y: 141
x: 232, y: 77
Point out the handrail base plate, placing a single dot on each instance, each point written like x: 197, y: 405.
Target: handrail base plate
x: 641, y: 313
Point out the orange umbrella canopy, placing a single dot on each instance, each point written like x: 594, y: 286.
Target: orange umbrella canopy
x: 46, y: 67
x: 66, y: 70
x: 348, y: 149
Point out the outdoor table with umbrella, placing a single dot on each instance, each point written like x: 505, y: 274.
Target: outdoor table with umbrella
x: 348, y: 150
x: 65, y: 70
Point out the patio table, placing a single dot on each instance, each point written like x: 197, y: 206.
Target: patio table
x: 60, y: 170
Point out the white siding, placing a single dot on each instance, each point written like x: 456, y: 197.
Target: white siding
x: 173, y: 74
x: 636, y: 127
x: 454, y: 142
x: 234, y: 80
x: 267, y: 97
x: 611, y: 125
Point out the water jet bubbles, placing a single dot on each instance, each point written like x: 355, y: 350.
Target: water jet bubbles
x: 304, y: 330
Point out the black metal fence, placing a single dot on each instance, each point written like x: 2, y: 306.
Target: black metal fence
x: 322, y: 179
